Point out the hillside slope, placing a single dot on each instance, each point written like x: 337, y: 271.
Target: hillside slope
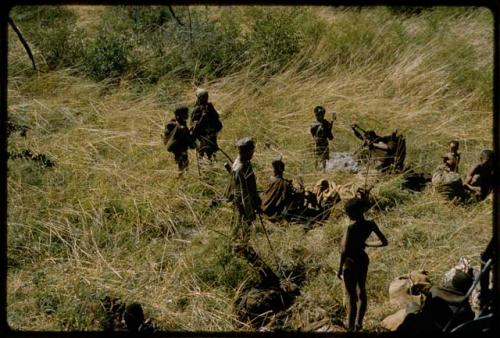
x: 112, y: 217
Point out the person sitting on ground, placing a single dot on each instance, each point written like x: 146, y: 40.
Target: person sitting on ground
x: 452, y: 158
x: 354, y: 261
x: 392, y: 148
x: 444, y: 306
x: 326, y: 198
x: 479, y: 181
x: 119, y: 317
x: 135, y: 321
x: 205, y: 124
x: 321, y: 130
x: 177, y: 138
x: 279, y: 194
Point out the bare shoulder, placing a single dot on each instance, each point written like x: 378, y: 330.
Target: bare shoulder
x: 475, y: 169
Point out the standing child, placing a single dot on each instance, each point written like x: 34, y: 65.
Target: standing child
x: 177, y: 137
x: 354, y: 261
x: 321, y: 130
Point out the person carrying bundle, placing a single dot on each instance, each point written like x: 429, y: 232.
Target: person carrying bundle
x: 177, y: 137
x: 205, y: 124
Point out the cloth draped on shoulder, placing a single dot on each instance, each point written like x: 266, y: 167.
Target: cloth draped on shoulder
x: 277, y: 196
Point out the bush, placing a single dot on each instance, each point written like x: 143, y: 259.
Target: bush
x: 147, y: 18
x: 274, y: 37
x: 60, y: 48
x: 51, y: 30
x: 106, y: 57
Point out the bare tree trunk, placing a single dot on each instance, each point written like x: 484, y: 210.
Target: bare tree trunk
x: 173, y: 15
x: 23, y: 41
x: 190, y: 28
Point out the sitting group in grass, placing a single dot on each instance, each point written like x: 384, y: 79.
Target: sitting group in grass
x: 281, y: 200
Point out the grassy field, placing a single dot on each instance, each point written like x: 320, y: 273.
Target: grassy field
x: 112, y: 217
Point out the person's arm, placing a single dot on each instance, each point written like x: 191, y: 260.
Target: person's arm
x: 357, y: 132
x: 469, y: 180
x: 346, y: 239
x: 379, y: 145
x: 313, y: 130
x: 216, y: 117
x: 382, y: 239
x: 330, y: 134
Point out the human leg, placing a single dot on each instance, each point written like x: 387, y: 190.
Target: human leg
x: 350, y: 283
x: 182, y: 160
x: 363, y: 301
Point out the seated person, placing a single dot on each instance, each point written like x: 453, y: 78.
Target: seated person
x: 479, y: 181
x: 444, y: 307
x: 278, y: 195
x: 452, y: 158
x: 392, y: 148
x: 326, y: 198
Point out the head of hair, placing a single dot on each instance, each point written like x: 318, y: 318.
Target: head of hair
x: 278, y: 166
x: 181, y: 110
x: 461, y: 281
x: 133, y: 316
x: 245, y: 143
x: 200, y: 92
x: 355, y: 206
x: 319, y: 110
x: 486, y: 154
x: 371, y: 135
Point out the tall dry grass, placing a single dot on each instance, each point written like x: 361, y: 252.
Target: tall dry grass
x: 113, y: 218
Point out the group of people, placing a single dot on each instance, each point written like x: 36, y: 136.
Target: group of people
x: 281, y: 200
x: 202, y: 135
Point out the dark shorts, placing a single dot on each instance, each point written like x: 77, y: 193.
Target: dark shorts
x: 208, y: 143
x: 181, y: 158
x: 322, y: 151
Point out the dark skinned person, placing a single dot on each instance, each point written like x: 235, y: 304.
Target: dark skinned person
x: 243, y: 190
x: 452, y: 158
x: 354, y: 261
x: 278, y: 195
x: 177, y: 137
x: 479, y: 181
x: 205, y: 124
x: 245, y: 198
x: 390, y: 150
x: 321, y: 131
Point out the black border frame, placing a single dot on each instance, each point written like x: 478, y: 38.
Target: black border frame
x: 6, y: 331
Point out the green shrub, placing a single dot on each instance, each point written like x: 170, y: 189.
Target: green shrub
x: 106, y: 57
x: 274, y: 37
x: 51, y: 31
x: 60, y: 47
x: 147, y: 18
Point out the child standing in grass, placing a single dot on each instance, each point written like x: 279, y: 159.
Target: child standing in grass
x: 177, y: 137
x: 321, y: 131
x: 354, y: 261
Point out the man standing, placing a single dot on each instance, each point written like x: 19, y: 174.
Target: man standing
x: 205, y: 124
x: 321, y: 130
x: 177, y: 138
x: 243, y: 191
